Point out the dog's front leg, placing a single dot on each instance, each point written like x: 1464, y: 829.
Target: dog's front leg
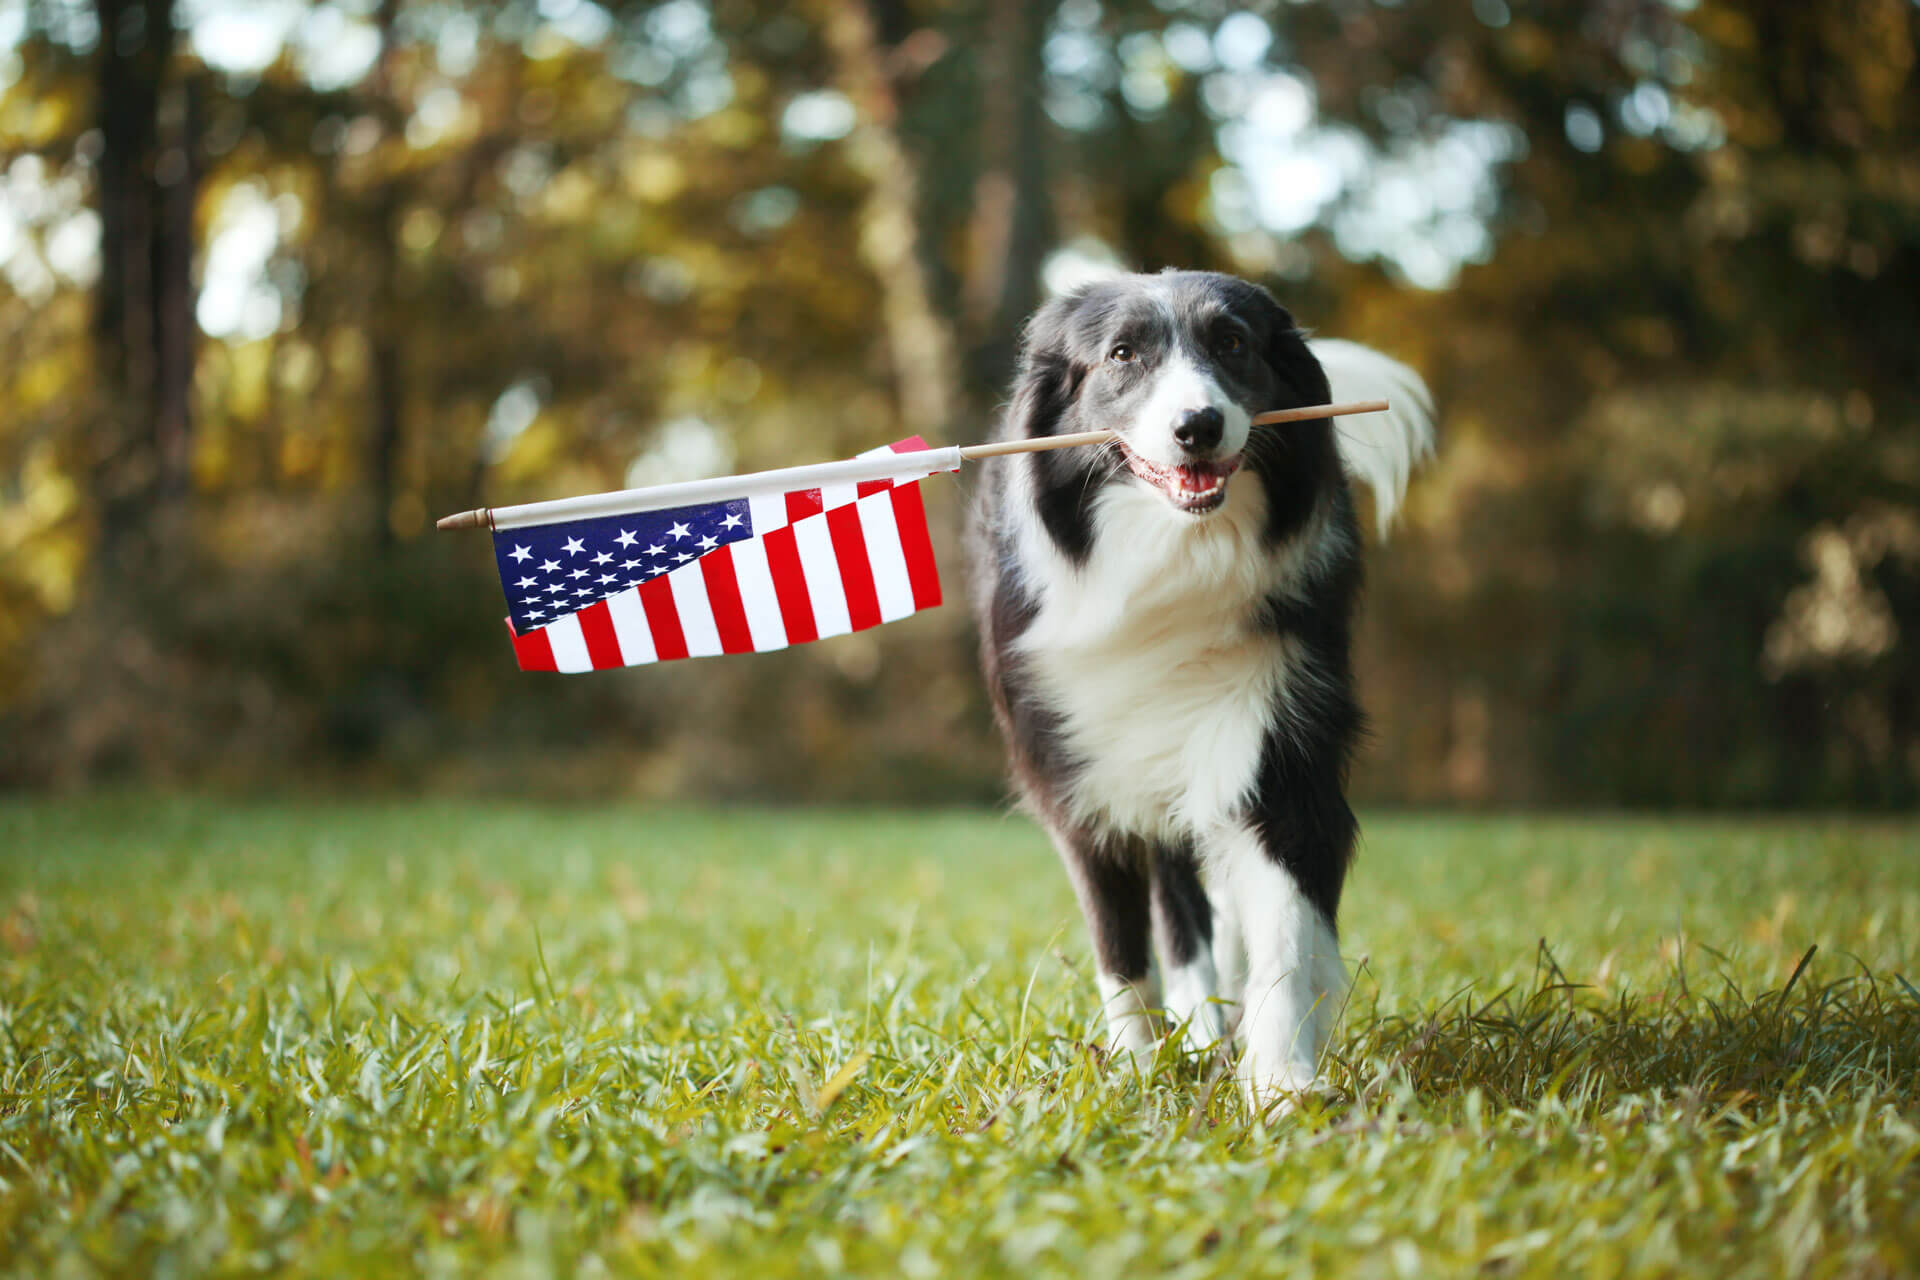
x: 1295, y: 981
x: 1111, y: 881
x: 1183, y: 930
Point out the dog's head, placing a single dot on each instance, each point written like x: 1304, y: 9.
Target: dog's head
x: 1178, y: 364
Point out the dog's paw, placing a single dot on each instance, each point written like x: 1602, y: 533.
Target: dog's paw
x: 1276, y: 1091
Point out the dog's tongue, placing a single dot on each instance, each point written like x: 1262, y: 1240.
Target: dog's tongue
x: 1196, y: 486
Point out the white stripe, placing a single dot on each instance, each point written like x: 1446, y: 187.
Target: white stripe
x: 885, y: 557
x: 696, y: 614
x: 769, y: 511
x: 569, y: 645
x: 757, y: 596
x: 822, y: 573
x: 631, y: 629
x: 837, y: 495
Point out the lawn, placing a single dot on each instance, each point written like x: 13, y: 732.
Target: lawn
x: 347, y: 1039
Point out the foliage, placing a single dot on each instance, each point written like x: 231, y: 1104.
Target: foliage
x: 1659, y: 260
x: 425, y: 1038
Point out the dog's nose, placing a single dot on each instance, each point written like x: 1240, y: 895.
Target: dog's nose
x: 1198, y: 430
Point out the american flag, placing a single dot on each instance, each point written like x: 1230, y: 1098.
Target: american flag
x: 741, y: 575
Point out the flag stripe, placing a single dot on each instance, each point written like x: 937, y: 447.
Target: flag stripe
x: 868, y: 487
x: 802, y: 503
x: 856, y: 572
x: 910, y: 517
x: 790, y: 586
x: 891, y: 585
x: 532, y: 650
x: 630, y: 625
x: 656, y: 597
x: 596, y: 627
x: 696, y: 615
x: 821, y: 574
x: 758, y: 600
x: 569, y: 646
x: 838, y: 495
x: 767, y: 511
x: 723, y: 595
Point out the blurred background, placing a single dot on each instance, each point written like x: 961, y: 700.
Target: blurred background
x: 282, y: 282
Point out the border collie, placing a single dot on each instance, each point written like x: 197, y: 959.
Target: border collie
x: 1165, y: 630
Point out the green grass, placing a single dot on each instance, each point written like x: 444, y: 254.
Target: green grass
x: 345, y: 1040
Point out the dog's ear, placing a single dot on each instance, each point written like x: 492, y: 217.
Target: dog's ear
x: 1301, y: 379
x: 1049, y: 377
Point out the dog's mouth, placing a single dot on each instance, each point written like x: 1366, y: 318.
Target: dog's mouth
x: 1196, y: 488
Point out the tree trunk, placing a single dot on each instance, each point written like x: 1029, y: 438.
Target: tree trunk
x: 143, y: 304
x: 920, y: 344
x: 1012, y: 208
x: 386, y: 389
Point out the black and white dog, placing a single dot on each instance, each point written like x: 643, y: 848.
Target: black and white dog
x: 1165, y: 625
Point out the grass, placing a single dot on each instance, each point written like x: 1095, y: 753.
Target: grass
x: 354, y: 1040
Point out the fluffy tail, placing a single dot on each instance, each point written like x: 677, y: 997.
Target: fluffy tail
x: 1379, y: 448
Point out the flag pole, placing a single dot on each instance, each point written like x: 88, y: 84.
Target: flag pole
x: 883, y: 467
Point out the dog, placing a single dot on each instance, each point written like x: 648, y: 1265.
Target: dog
x: 1165, y: 630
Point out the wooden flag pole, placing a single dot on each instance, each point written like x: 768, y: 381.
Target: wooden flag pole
x: 1268, y: 419
x: 483, y: 517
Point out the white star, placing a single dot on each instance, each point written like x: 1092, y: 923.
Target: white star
x: 709, y: 542
x: 556, y: 587
x: 573, y: 547
x: 684, y: 556
x: 524, y: 583
x: 578, y: 573
x: 603, y: 557
x: 656, y: 550
x: 629, y: 564
x: 679, y: 531
x: 636, y: 582
x: 584, y: 591
x: 521, y: 553
x: 626, y: 539
x: 731, y: 522
x: 548, y: 566
x: 607, y: 577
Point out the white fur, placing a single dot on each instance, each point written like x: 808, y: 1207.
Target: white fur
x: 1130, y: 1009
x: 1380, y: 449
x: 1191, y: 1002
x: 1148, y: 655
x: 1295, y: 981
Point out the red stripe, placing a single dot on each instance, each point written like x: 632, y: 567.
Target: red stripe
x: 866, y: 487
x: 802, y: 503
x: 531, y: 650
x: 603, y: 646
x: 912, y: 444
x: 856, y: 572
x: 663, y: 619
x: 910, y: 515
x: 790, y: 586
x: 723, y: 594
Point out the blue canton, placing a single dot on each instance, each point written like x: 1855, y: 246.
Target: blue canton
x: 552, y: 570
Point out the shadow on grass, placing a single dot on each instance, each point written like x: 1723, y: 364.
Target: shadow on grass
x: 1719, y: 1049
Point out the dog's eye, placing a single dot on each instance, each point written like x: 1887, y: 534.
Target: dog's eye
x: 1122, y: 354
x: 1231, y: 343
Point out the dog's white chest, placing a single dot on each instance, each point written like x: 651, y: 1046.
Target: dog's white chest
x: 1148, y: 655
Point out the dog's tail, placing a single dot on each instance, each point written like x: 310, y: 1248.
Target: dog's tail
x: 1379, y: 448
